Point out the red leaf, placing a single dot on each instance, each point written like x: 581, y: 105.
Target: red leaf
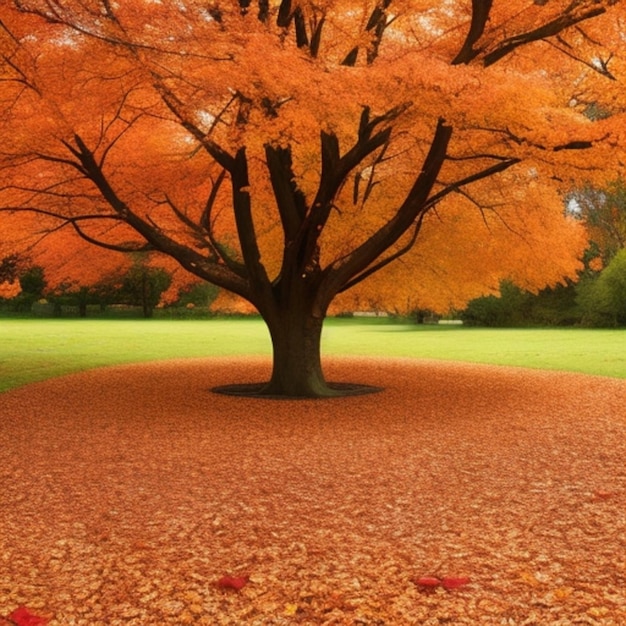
x: 232, y: 582
x: 428, y: 581
x: 602, y: 495
x: 23, y: 617
x: 451, y: 582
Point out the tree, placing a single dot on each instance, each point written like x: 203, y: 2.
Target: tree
x: 143, y: 286
x: 604, y: 213
x: 9, y: 284
x: 199, y: 294
x: 602, y: 299
x: 301, y: 153
x: 9, y: 268
x: 613, y: 282
x: 510, y: 308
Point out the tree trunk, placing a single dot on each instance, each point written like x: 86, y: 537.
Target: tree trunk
x: 297, y: 366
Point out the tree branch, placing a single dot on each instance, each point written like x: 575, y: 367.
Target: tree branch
x: 480, y: 16
x: 550, y: 29
x: 602, y: 66
x: 472, y: 178
x: 248, y: 241
x: 335, y: 171
x: 176, y: 107
x: 290, y: 200
x: 343, y: 271
x: 372, y: 269
x: 75, y: 221
x: 191, y: 260
x: 376, y: 25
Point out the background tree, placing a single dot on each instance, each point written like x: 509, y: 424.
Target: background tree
x: 599, y: 294
x: 33, y: 284
x: 602, y: 298
x: 9, y: 269
x: 604, y: 213
x: 143, y: 286
x: 514, y: 307
x: 287, y: 151
x: 197, y: 295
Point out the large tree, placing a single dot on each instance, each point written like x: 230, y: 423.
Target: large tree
x: 288, y: 150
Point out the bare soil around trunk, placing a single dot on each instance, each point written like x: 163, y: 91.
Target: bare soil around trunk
x: 127, y: 494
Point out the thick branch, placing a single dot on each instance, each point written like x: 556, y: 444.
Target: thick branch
x: 242, y: 207
x: 340, y: 273
x: 286, y: 15
x: 497, y: 168
x: 550, y: 29
x: 290, y: 200
x: 316, y: 37
x: 206, y: 223
x: 336, y: 170
x: 372, y: 269
x: 480, y: 15
x: 376, y: 25
x: 188, y: 258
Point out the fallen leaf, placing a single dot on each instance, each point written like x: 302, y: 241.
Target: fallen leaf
x: 598, y: 611
x: 453, y: 582
x: 529, y: 579
x: 428, y: 582
x: 290, y: 609
x: 602, y: 495
x: 22, y: 616
x: 232, y: 582
x: 562, y: 593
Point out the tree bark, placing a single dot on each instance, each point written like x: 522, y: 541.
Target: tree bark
x: 297, y: 367
x: 295, y: 316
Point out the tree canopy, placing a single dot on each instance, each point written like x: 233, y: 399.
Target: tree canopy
x: 604, y: 213
x: 397, y: 153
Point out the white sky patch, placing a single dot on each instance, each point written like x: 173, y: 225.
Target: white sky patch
x: 206, y: 119
x: 450, y: 8
x: 573, y: 208
x: 597, y: 63
x: 68, y: 38
x: 366, y: 172
x: 205, y: 15
x: 427, y: 23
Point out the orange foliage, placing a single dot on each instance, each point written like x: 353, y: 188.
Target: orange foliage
x: 9, y: 290
x: 122, y: 126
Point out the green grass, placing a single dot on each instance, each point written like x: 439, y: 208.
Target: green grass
x: 32, y: 350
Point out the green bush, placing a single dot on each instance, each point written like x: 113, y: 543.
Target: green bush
x: 602, y: 298
x: 511, y: 308
x: 200, y: 295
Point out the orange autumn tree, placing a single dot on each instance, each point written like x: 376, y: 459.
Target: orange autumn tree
x: 298, y: 153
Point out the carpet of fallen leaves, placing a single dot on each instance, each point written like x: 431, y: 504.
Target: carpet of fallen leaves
x: 134, y: 496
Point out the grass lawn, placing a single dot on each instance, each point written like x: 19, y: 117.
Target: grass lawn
x: 32, y: 350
